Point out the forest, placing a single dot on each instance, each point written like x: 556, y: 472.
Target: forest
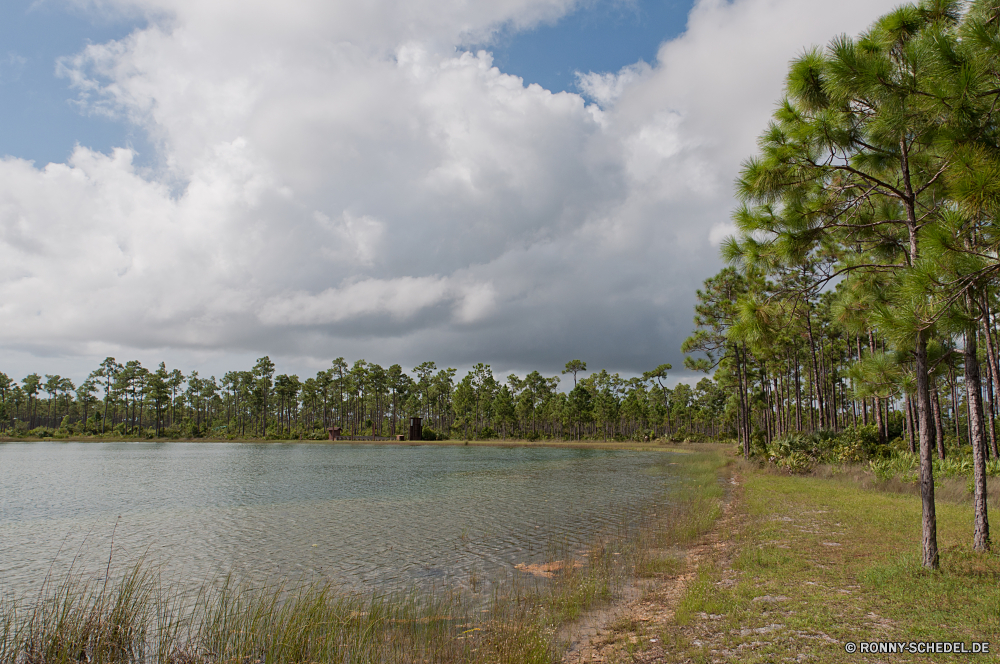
x: 128, y: 400
x: 861, y: 286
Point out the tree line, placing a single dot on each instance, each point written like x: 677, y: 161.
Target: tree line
x: 363, y: 398
x: 861, y: 286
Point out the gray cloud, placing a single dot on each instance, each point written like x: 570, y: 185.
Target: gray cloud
x: 333, y: 178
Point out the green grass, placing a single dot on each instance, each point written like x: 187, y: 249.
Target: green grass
x: 138, y: 620
x: 817, y: 562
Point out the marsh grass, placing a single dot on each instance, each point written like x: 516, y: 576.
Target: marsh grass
x: 138, y: 618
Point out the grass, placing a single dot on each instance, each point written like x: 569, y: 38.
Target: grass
x: 814, y: 562
x: 138, y: 618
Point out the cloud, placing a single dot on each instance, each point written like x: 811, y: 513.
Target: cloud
x: 720, y: 232
x: 335, y: 178
x: 605, y: 87
x: 401, y: 299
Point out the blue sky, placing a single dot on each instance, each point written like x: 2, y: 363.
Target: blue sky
x: 310, y: 197
x: 601, y: 36
x: 42, y: 124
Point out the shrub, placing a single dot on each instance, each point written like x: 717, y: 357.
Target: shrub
x: 861, y: 443
x: 816, y: 447
x: 797, y: 462
x: 430, y: 434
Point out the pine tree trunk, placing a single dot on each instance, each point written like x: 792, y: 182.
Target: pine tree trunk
x: 816, y: 379
x: 938, y: 421
x: 952, y: 384
x: 744, y: 416
x: 930, y: 556
x: 908, y: 404
x: 864, y: 402
x: 981, y: 530
x: 878, y: 418
x: 990, y: 412
x: 995, y: 382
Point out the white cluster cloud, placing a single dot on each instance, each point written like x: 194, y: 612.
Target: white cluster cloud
x: 606, y: 87
x: 335, y: 178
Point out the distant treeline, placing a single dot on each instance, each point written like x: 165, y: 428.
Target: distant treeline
x: 129, y: 400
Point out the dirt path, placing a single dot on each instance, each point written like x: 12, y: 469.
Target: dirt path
x: 630, y: 630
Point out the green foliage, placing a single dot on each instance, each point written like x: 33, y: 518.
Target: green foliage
x: 800, y: 452
x: 430, y: 434
x: 904, y: 465
x: 859, y: 444
x: 128, y: 401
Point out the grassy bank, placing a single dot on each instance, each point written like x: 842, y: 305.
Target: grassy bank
x: 806, y: 564
x: 140, y: 619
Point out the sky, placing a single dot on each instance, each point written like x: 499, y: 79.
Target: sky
x: 515, y: 182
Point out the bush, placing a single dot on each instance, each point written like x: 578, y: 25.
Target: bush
x: 800, y: 451
x: 686, y: 435
x: 815, y: 446
x: 859, y: 444
x: 797, y: 462
x: 430, y: 434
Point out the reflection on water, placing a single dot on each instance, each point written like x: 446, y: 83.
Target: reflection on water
x: 365, y: 516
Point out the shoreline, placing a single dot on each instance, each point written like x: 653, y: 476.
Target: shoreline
x: 520, y: 625
x: 799, y: 567
x: 642, y: 446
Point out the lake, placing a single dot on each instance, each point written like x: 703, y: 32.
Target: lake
x: 367, y: 517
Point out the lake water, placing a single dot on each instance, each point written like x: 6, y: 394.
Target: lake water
x: 368, y: 517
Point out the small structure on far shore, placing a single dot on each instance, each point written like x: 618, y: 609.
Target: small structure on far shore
x: 416, y: 430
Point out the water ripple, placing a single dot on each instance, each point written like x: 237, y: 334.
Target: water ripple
x: 364, y: 516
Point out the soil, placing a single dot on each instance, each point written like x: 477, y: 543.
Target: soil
x: 628, y: 630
